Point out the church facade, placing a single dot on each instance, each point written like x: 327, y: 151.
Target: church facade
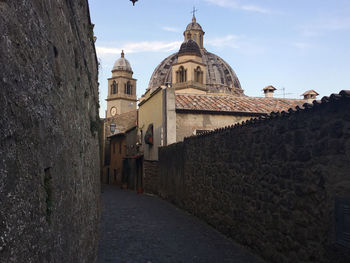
x: 193, y: 91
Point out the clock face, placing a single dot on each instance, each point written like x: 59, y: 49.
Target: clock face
x: 113, y: 111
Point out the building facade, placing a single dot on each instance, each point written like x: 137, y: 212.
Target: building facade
x: 194, y: 91
x: 120, y: 125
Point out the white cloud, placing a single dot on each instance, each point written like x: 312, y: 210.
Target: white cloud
x: 226, y: 41
x: 170, y: 29
x: 255, y: 8
x: 224, y: 3
x: 235, y: 4
x: 137, y: 47
x: 229, y: 41
x: 325, y: 25
x: 239, y: 43
x: 107, y: 50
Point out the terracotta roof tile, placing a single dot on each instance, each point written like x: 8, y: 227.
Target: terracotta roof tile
x: 228, y: 103
x: 343, y: 95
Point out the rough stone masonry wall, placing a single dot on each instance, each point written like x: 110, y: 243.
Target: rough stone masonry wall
x: 49, y: 161
x: 150, y: 179
x: 271, y: 183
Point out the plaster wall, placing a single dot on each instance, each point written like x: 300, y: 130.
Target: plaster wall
x: 121, y: 73
x: 187, y: 123
x: 150, y: 112
x: 169, y: 116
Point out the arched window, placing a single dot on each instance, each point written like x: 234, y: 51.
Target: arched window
x: 195, y: 37
x: 181, y: 75
x: 128, y: 88
x: 198, y: 75
x: 114, y: 88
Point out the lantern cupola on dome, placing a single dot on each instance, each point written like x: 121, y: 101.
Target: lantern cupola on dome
x: 195, y: 32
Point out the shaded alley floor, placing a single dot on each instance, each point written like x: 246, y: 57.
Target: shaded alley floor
x: 146, y: 229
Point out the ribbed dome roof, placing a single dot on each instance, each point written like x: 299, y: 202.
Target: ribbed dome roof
x: 194, y: 25
x: 190, y: 47
x: 122, y: 64
x: 220, y: 77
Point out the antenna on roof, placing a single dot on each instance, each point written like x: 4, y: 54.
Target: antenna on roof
x: 284, y: 92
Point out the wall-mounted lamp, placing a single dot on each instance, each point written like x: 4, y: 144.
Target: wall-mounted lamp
x: 168, y: 84
x: 112, y: 128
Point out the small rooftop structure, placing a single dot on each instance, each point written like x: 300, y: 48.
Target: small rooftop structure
x: 268, y: 91
x: 310, y: 95
x: 194, y: 25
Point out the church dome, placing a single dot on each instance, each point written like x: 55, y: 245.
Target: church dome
x: 190, y: 47
x: 220, y: 77
x: 122, y: 64
x: 194, y: 25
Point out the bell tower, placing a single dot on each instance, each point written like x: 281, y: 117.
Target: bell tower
x: 121, y: 96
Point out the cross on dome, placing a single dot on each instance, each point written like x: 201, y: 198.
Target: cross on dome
x: 193, y: 13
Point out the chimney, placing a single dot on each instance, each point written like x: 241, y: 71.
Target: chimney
x: 268, y: 91
x: 310, y: 95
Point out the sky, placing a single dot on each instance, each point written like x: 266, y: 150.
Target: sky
x: 293, y: 45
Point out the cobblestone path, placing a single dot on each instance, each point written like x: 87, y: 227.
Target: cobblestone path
x: 145, y: 229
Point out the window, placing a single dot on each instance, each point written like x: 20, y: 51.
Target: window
x: 198, y: 75
x: 128, y: 88
x: 181, y: 75
x: 114, y: 88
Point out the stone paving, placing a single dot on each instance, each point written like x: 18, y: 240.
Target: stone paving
x: 146, y: 229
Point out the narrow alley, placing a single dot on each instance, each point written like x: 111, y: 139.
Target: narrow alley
x: 146, y: 229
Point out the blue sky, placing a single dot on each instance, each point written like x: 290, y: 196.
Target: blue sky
x: 296, y: 45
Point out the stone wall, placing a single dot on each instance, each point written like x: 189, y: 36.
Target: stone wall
x: 150, y: 180
x: 49, y: 161
x: 271, y: 183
